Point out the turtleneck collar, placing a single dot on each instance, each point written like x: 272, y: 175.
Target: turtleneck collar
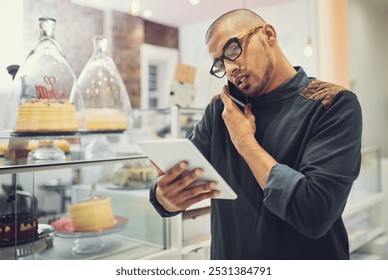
x: 286, y: 90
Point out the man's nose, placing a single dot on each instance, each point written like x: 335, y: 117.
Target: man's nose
x: 231, y: 67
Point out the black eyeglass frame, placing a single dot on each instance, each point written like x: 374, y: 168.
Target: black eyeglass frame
x: 232, y: 40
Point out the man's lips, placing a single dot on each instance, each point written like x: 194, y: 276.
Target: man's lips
x: 241, y: 81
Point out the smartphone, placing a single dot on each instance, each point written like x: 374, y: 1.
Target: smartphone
x: 232, y: 94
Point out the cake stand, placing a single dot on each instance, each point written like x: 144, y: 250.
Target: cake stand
x: 46, y: 152
x: 27, y: 247
x: 87, y: 242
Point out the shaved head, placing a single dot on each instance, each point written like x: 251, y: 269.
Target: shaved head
x: 240, y: 16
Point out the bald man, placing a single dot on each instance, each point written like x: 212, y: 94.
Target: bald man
x: 291, y: 154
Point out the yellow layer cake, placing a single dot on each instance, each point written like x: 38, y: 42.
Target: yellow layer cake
x: 92, y: 215
x: 105, y: 119
x: 46, y: 116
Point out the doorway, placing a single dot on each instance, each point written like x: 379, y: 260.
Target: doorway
x: 157, y: 73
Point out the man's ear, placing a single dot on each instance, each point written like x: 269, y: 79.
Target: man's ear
x: 270, y: 33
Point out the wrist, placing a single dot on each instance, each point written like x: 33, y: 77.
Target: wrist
x: 162, y: 201
x: 246, y: 145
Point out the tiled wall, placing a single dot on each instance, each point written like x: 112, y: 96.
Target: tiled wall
x: 76, y: 26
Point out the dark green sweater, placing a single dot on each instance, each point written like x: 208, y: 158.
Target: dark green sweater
x: 313, y: 130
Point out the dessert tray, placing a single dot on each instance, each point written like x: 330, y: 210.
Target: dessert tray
x: 28, y: 246
x: 86, y: 242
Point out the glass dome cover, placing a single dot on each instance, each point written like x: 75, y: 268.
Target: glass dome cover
x: 104, y: 93
x: 45, y: 98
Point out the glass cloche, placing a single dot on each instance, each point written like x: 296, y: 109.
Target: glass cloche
x: 107, y: 104
x: 44, y: 99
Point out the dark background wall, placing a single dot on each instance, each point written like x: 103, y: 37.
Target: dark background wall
x: 77, y: 25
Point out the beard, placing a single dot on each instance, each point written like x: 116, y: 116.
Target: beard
x: 262, y: 84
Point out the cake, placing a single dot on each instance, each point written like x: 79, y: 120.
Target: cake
x: 3, y: 148
x: 62, y: 144
x: 133, y: 175
x: 92, y: 215
x: 46, y: 115
x: 20, y: 227
x: 105, y: 119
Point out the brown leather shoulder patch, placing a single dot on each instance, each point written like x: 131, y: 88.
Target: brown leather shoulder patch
x: 323, y: 91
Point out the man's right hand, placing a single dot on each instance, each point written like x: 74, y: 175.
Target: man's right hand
x: 172, y: 190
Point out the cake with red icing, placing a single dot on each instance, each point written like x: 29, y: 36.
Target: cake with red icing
x: 46, y: 115
x: 21, y: 226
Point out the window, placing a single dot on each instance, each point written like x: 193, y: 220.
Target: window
x: 152, y: 77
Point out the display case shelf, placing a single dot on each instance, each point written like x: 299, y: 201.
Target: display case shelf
x: 115, y: 245
x: 9, y: 169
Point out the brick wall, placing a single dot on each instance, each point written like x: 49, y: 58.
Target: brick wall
x: 127, y: 37
x: 161, y: 35
x: 77, y: 25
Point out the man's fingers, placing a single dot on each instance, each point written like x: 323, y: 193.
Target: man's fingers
x: 248, y: 110
x: 180, y: 193
x: 196, y: 190
x: 200, y: 197
x: 225, y: 97
x: 187, y: 179
x: 197, y: 193
x: 173, y: 173
x: 178, y: 178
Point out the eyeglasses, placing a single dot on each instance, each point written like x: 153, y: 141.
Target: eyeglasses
x: 231, y: 51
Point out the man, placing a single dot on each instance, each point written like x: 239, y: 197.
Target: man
x: 291, y: 154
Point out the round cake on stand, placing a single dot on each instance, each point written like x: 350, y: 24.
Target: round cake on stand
x: 89, y: 220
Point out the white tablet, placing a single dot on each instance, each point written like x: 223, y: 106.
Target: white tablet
x: 166, y: 153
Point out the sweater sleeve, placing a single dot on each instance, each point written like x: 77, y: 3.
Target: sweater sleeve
x: 313, y: 197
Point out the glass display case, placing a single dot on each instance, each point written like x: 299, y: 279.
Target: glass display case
x: 46, y: 190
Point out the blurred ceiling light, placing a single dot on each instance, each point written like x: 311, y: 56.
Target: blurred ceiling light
x: 135, y: 7
x: 194, y: 2
x: 147, y: 13
x: 308, y: 49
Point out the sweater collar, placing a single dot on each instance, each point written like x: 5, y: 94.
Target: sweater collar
x: 286, y: 90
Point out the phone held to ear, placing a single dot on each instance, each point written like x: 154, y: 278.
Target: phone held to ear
x: 232, y: 88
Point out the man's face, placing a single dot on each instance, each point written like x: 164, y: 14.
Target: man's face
x: 251, y: 71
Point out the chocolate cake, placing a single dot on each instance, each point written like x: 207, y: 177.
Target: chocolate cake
x: 19, y: 227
